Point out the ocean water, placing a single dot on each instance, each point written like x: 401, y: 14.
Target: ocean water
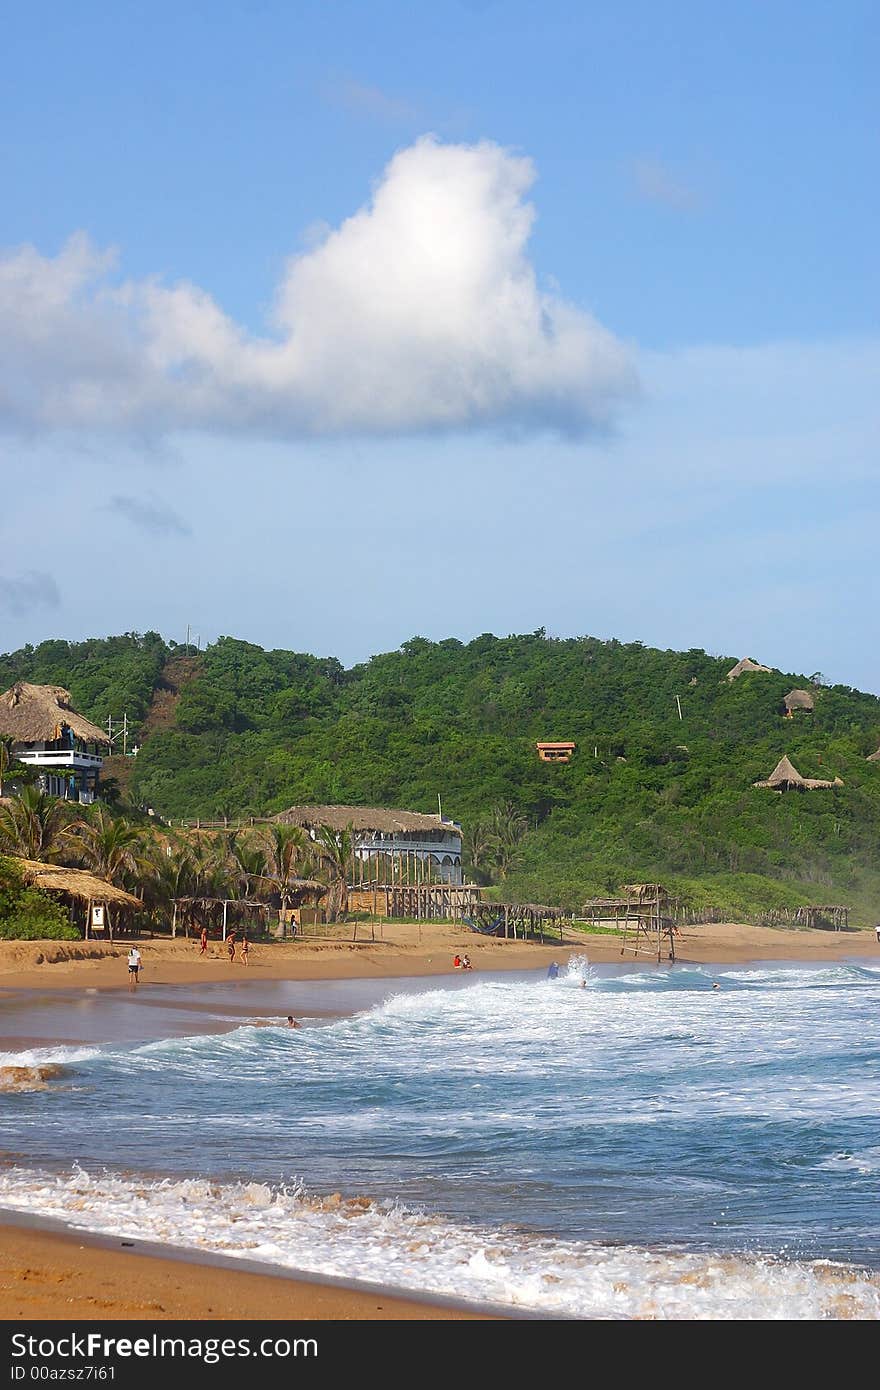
x: 613, y: 1143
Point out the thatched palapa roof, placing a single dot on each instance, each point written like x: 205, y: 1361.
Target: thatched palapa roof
x: 77, y: 883
x: 364, y: 818
x: 36, y: 713
x: 785, y: 777
x: 873, y: 757
x: 798, y: 699
x: 746, y: 664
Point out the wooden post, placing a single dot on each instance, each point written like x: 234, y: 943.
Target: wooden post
x: 225, y: 905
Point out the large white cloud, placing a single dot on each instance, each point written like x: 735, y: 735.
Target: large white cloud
x: 422, y: 311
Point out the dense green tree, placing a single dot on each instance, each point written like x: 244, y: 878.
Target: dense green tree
x: 27, y: 913
x: 285, y: 859
x: 34, y: 826
x: 335, y: 850
x: 647, y: 794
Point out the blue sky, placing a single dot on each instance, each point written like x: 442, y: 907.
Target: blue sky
x: 328, y: 324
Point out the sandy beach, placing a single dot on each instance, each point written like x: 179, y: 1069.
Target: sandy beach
x: 71, y: 1276
x: 47, y: 1275
x: 405, y: 950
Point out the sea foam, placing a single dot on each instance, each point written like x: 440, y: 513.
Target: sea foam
x: 385, y: 1243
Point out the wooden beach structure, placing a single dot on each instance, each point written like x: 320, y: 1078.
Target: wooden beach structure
x: 86, y: 896
x: 643, y: 914
x: 218, y: 912
x: 786, y: 778
x: 518, y: 921
x: 423, y: 902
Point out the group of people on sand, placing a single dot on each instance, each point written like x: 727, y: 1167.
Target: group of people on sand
x: 231, y: 944
x: 462, y: 963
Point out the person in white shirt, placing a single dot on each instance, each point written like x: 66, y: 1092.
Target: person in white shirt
x: 134, y: 965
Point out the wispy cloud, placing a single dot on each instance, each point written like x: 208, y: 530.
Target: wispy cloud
x: 422, y: 311
x: 657, y: 183
x: 21, y: 594
x: 364, y: 100
x: 149, y: 514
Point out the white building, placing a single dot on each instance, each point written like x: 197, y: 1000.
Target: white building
x: 391, y: 846
x: 47, y: 733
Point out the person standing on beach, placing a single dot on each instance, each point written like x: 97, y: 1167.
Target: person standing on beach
x: 245, y: 951
x: 230, y: 946
x: 134, y: 965
x: 203, y: 942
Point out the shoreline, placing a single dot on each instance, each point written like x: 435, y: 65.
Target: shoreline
x: 404, y: 951
x: 50, y: 1271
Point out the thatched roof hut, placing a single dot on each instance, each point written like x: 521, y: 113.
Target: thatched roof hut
x: 365, y: 818
x: 644, y: 890
x: 873, y: 757
x: 37, y: 713
x: 746, y: 664
x: 76, y: 883
x: 785, y: 777
x: 798, y: 699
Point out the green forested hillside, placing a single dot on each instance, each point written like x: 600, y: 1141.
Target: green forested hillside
x: 646, y: 795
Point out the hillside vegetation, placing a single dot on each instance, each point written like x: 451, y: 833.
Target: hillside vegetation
x: 647, y: 795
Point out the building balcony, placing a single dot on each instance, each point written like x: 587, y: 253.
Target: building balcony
x: 70, y: 758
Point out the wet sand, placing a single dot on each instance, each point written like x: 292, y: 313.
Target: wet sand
x: 49, y: 1275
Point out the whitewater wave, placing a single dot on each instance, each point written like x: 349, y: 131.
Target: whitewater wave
x: 49, y: 1056
x: 383, y: 1242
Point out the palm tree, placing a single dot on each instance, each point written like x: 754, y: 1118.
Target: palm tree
x: 11, y: 770
x: 5, y: 759
x: 113, y: 850
x: 506, y: 830
x: 478, y: 846
x: 170, y: 878
x: 111, y: 847
x: 285, y: 849
x: 34, y: 826
x: 336, y: 851
x: 247, y: 862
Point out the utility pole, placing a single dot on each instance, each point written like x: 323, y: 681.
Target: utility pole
x: 678, y: 702
x: 124, y: 731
